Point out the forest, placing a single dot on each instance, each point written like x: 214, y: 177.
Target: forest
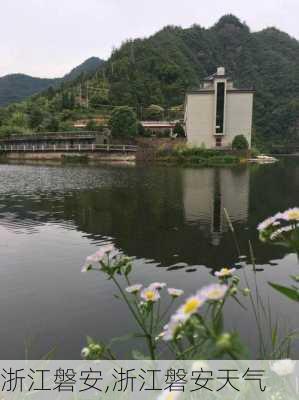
x: 160, y: 69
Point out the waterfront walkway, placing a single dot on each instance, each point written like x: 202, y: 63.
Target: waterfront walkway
x: 65, y: 148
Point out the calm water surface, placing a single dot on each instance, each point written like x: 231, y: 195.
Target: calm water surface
x: 170, y: 220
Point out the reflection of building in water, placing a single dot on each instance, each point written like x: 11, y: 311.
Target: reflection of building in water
x: 208, y: 191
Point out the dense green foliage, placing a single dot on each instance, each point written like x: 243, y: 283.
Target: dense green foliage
x: 154, y: 113
x: 160, y: 69
x: 123, y: 122
x: 196, y: 156
x: 240, y: 143
x: 16, y: 87
x: 179, y: 130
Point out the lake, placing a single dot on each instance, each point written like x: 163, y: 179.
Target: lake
x: 171, y: 220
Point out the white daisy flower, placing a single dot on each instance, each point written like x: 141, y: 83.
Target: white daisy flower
x: 266, y: 223
x: 157, y: 285
x: 213, y: 291
x: 225, y: 272
x: 190, y: 307
x: 171, y: 328
x: 134, y: 288
x: 175, y: 292
x: 291, y: 214
x: 97, y: 256
x: 150, y: 295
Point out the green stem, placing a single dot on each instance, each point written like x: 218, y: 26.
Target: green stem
x: 147, y: 335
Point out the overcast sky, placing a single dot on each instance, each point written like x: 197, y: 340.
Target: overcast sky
x: 47, y: 38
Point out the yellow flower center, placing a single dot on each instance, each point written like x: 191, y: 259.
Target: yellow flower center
x: 214, y: 294
x: 293, y: 214
x: 191, y: 305
x: 225, y: 271
x: 150, y: 295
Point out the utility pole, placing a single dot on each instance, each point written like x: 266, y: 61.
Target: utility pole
x: 80, y: 95
x: 87, y: 96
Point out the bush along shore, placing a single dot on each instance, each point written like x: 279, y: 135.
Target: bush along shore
x: 201, y: 157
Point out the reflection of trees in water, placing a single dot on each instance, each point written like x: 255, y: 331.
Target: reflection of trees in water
x: 169, y: 215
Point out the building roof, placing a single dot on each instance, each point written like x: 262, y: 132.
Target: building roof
x: 158, y: 124
x: 212, y: 91
x: 219, y: 74
x: 215, y: 76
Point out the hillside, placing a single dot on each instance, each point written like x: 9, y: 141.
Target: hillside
x: 159, y: 70
x: 89, y: 66
x: 16, y: 87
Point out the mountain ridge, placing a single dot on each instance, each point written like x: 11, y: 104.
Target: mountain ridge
x: 18, y: 86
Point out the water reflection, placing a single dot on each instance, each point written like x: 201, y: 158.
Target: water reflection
x: 170, y: 219
x: 171, y: 216
x: 208, y: 192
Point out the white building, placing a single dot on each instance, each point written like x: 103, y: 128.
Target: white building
x: 217, y: 112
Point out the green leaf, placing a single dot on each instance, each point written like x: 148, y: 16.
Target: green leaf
x: 128, y: 269
x: 292, y: 294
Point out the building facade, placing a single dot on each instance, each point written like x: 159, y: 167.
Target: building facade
x: 218, y: 112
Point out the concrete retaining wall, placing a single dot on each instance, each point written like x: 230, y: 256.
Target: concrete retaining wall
x: 60, y: 156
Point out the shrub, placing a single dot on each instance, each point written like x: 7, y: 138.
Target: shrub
x: 123, y: 122
x: 140, y: 129
x: 179, y: 130
x: 91, y: 125
x: 154, y: 112
x: 240, y: 143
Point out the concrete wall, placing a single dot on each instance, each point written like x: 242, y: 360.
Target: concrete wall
x: 238, y: 116
x: 59, y: 156
x: 199, y: 119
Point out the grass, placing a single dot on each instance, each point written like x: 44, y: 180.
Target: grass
x: 197, y: 156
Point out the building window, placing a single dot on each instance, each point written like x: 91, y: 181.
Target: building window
x: 218, y: 141
x: 220, y: 107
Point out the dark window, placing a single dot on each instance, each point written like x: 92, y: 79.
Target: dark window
x: 220, y: 107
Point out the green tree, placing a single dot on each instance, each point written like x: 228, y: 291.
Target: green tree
x: 154, y: 113
x: 240, y: 143
x: 123, y: 122
x: 140, y: 129
x: 50, y: 123
x: 35, y: 116
x: 91, y: 125
x: 99, y: 99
